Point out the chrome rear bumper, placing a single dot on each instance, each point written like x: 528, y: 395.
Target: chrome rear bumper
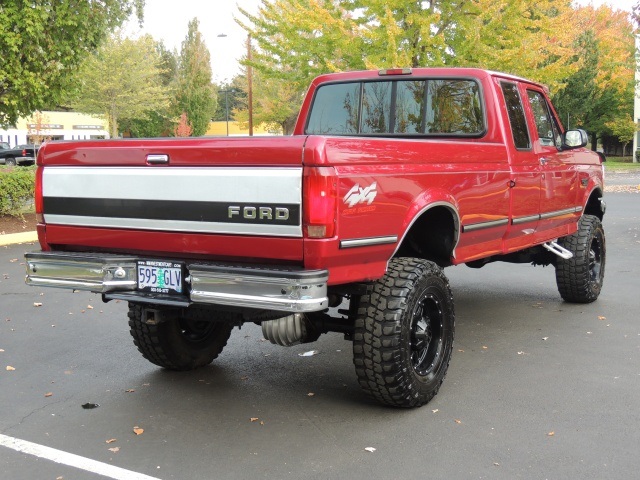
x: 280, y: 289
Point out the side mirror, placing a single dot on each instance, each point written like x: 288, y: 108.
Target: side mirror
x: 575, y: 139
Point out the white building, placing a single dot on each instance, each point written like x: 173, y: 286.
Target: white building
x: 55, y: 126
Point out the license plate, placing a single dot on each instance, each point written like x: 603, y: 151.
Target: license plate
x: 160, y: 277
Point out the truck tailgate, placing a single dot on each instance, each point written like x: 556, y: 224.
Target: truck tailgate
x: 209, y: 197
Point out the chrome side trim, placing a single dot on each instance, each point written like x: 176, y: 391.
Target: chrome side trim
x: 527, y: 219
x: 367, y: 242
x: 560, y: 213
x: 481, y: 226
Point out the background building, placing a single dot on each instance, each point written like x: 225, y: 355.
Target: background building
x: 55, y: 126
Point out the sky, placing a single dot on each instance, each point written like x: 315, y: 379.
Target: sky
x: 167, y: 20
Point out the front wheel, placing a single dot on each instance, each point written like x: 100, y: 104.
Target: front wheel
x: 580, y: 278
x: 10, y: 162
x: 404, y: 332
x: 185, y: 342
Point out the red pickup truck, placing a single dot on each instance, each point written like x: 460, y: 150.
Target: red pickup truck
x: 389, y: 177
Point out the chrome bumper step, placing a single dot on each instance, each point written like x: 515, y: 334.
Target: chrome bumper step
x: 280, y: 289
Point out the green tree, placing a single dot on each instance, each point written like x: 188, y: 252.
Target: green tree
x: 195, y: 92
x: 43, y: 42
x: 624, y: 128
x: 300, y: 39
x: 158, y: 122
x: 601, y: 90
x: 121, y: 80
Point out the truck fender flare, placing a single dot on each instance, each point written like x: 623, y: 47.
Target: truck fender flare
x: 421, y: 206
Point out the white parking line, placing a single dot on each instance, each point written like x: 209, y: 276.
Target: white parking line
x: 71, y: 460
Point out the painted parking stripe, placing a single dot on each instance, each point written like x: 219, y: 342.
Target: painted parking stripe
x: 71, y: 460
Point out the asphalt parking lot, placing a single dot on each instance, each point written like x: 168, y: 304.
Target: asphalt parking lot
x: 537, y: 388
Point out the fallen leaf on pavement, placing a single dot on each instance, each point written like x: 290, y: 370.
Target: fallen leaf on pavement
x: 111, y: 440
x: 254, y: 419
x: 310, y: 394
x: 48, y: 394
x: 89, y: 307
x: 310, y: 353
x: 370, y: 449
x: 484, y: 347
x: 10, y: 368
x: 602, y: 318
x: 435, y: 411
x: 1, y: 350
x: 131, y: 390
x: 137, y: 430
x: 37, y: 304
x: 114, y: 449
x: 89, y: 406
x: 551, y: 434
x: 458, y: 421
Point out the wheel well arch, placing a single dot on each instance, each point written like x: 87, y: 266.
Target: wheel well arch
x: 595, y: 205
x: 432, y: 235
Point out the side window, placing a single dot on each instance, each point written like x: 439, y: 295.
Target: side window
x: 335, y: 110
x: 548, y: 131
x: 453, y: 107
x: 516, y: 115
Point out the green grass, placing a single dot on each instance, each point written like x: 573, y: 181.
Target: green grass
x: 621, y: 163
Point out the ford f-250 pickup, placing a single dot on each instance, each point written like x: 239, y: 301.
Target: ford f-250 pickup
x: 389, y: 177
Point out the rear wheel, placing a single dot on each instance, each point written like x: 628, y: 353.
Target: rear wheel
x: 184, y: 342
x: 404, y: 333
x: 580, y: 278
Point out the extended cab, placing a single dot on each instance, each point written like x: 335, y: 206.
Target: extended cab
x: 389, y: 177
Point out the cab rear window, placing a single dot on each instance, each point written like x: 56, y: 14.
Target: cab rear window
x: 438, y: 107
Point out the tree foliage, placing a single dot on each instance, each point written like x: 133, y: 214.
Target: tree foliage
x: 545, y: 40
x: 159, y: 121
x: 195, y: 92
x: 121, y: 80
x: 624, y: 128
x: 601, y: 90
x: 42, y: 42
x: 183, y: 129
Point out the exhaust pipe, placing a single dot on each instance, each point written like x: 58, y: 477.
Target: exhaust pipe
x: 290, y: 330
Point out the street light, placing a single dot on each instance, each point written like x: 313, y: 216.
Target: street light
x: 249, y: 85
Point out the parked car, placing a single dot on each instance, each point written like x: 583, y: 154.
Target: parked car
x: 20, y: 155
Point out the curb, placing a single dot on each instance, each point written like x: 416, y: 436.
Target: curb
x: 16, y: 238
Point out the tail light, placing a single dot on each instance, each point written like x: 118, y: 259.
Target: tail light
x: 24, y: 152
x: 320, y: 193
x: 38, y: 196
